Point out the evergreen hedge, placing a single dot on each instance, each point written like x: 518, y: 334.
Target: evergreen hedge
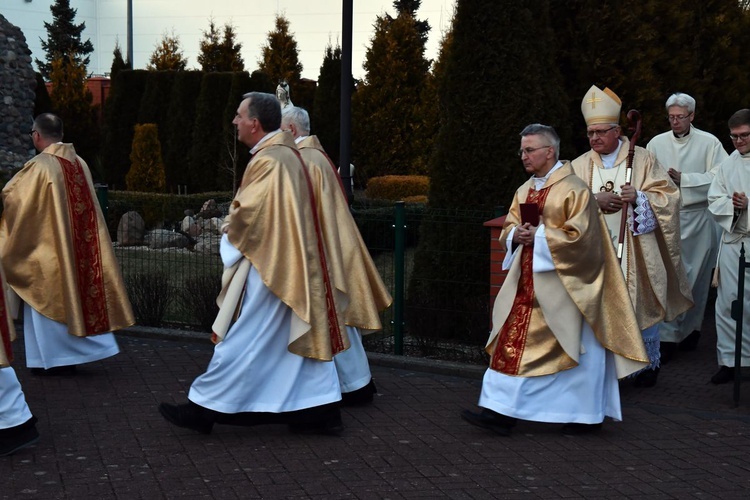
x: 178, y: 127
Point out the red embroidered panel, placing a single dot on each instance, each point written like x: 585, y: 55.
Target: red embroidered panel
x: 87, y: 252
x: 511, y: 341
x: 334, y: 331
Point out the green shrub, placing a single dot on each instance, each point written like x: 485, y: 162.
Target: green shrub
x: 150, y: 296
x: 397, y: 187
x: 197, y: 298
x: 146, y: 166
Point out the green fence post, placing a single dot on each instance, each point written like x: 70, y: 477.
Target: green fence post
x: 102, y: 194
x: 399, y: 243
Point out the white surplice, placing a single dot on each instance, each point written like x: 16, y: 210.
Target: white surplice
x: 732, y: 176
x: 48, y: 343
x: 251, y: 369
x: 696, y: 156
x: 13, y: 408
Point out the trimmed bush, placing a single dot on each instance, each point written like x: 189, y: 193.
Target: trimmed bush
x: 146, y: 166
x: 397, y: 187
x: 150, y: 296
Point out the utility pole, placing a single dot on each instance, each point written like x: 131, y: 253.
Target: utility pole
x: 345, y: 153
x: 130, y: 34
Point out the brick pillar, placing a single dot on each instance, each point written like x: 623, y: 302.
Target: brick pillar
x: 497, y: 255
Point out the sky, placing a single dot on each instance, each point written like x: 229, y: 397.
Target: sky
x: 312, y: 22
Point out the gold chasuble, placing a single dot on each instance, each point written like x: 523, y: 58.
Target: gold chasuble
x: 349, y: 261
x: 7, y: 330
x: 651, y: 263
x: 538, y: 317
x: 55, y: 245
x: 273, y: 222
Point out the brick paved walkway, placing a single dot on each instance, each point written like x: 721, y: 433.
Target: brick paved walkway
x: 102, y: 437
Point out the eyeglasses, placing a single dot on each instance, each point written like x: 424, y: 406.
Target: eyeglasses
x: 678, y: 118
x: 739, y: 137
x: 598, y: 133
x: 31, y: 133
x: 528, y: 151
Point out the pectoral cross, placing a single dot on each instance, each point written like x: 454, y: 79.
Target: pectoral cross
x: 593, y: 100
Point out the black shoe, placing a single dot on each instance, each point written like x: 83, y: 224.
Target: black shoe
x: 724, y: 375
x: 579, y: 429
x: 330, y: 427
x: 647, y: 378
x: 188, y: 415
x: 55, y: 371
x: 691, y: 341
x: 490, y: 420
x: 18, y: 437
x: 667, y: 351
x: 361, y: 396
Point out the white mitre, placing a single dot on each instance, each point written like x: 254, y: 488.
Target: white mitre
x: 600, y: 106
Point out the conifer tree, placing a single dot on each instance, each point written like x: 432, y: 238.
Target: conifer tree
x: 118, y: 63
x: 388, y: 132
x: 167, y: 54
x: 489, y: 89
x: 219, y: 53
x: 63, y: 38
x: 179, y: 127
x: 280, y: 56
x: 71, y: 101
x: 146, y: 172
x: 326, y: 112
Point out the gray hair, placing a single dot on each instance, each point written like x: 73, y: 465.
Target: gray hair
x: 299, y: 117
x: 682, y: 100
x: 545, y: 131
x: 266, y: 108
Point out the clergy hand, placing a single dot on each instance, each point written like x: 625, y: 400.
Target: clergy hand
x: 676, y: 175
x: 608, y: 202
x: 739, y: 201
x: 524, y: 234
x: 628, y: 193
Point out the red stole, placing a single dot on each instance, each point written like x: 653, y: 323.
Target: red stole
x: 334, y: 329
x: 511, y: 340
x: 87, y: 252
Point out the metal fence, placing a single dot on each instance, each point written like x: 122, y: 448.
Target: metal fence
x: 435, y: 263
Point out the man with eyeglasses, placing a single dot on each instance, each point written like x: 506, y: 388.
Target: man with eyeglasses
x: 58, y: 258
x: 728, y: 203
x: 691, y: 157
x: 563, y: 328
x: 651, y: 264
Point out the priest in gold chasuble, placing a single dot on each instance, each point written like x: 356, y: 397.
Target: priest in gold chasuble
x: 272, y: 362
x: 349, y: 261
x: 58, y: 257
x: 651, y: 263
x: 563, y: 327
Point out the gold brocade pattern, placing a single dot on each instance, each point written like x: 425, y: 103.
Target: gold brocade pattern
x: 585, y: 274
x: 657, y: 283
x: 270, y: 223
x: 86, y: 248
x: 39, y: 247
x: 351, y: 268
x: 511, y: 342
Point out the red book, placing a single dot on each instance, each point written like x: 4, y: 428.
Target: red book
x: 530, y: 213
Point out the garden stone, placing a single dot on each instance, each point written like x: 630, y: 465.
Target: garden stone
x: 208, y: 244
x: 209, y: 210
x: 163, y: 238
x: 190, y: 227
x: 131, y: 229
